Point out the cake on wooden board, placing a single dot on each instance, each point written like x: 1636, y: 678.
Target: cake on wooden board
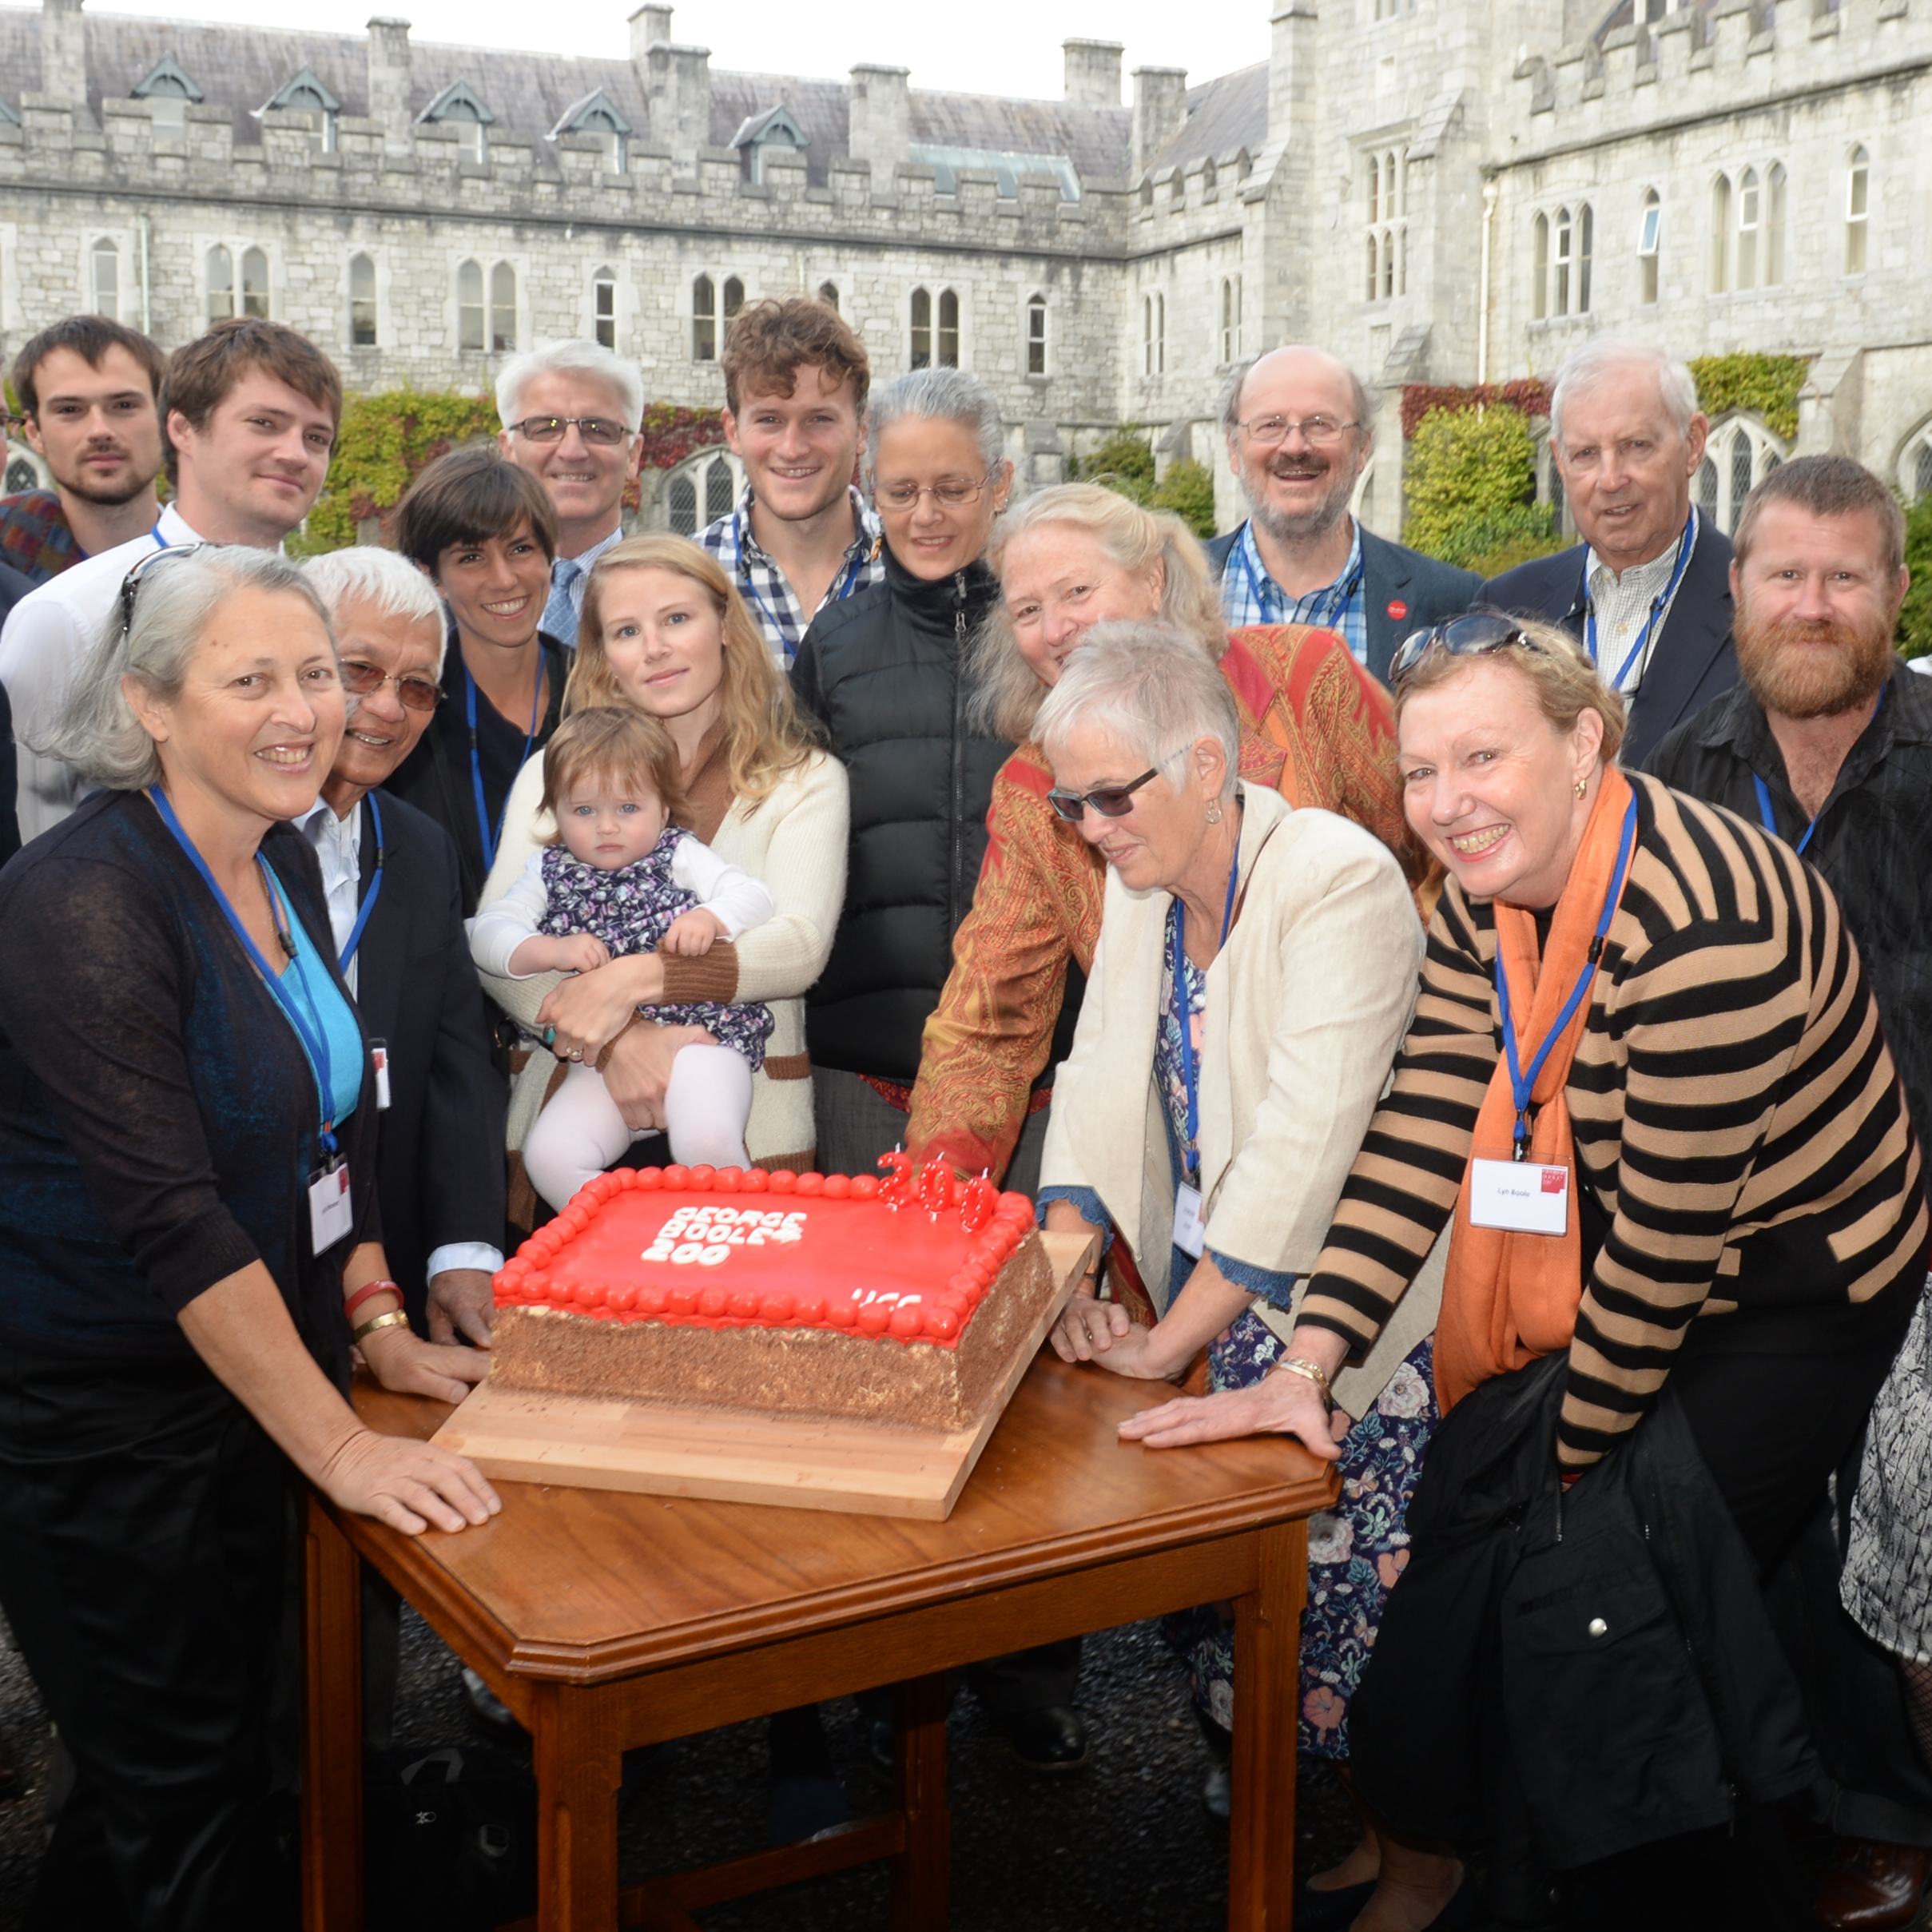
x: 900, y: 1300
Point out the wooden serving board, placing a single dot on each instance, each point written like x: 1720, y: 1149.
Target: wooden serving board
x: 799, y: 1462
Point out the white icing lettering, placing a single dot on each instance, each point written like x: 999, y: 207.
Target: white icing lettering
x: 658, y: 1251
x: 691, y: 1250
x: 712, y: 1256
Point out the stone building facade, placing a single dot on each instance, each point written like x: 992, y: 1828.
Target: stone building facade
x: 1441, y: 191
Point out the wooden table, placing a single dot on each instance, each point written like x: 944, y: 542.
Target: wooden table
x: 606, y: 1621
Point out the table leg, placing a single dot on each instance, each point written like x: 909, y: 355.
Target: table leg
x: 1267, y: 1673
x: 579, y: 1767
x: 922, y: 1873
x: 331, y: 1730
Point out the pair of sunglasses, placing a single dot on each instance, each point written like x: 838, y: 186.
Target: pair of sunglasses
x: 144, y: 568
x: 1476, y: 636
x: 1110, y: 801
x: 365, y: 680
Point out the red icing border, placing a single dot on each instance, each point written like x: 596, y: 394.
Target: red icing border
x: 1001, y: 1220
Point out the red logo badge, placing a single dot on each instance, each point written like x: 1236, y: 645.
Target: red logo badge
x: 1397, y: 608
x: 1555, y: 1180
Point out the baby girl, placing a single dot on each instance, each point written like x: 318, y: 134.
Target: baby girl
x: 624, y: 880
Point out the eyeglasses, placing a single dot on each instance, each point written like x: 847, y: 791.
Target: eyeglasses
x: 130, y: 584
x: 955, y: 492
x: 363, y: 680
x: 1110, y: 801
x: 1318, y: 432
x: 600, y: 430
x: 1476, y: 636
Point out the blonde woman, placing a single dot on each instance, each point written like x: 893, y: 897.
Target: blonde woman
x: 663, y: 630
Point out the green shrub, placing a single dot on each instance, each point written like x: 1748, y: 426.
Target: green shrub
x: 1471, y: 486
x: 1124, y: 463
x: 1915, y: 619
x: 1766, y: 384
x: 1188, y: 491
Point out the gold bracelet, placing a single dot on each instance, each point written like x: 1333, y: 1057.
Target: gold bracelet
x: 1309, y: 1371
x: 394, y: 1319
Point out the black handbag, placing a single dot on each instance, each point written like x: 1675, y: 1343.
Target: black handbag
x: 451, y: 1839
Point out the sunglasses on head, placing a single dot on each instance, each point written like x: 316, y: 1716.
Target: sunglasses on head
x: 130, y: 584
x: 1476, y: 636
x: 1109, y: 800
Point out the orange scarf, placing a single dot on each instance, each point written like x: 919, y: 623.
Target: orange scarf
x: 1508, y: 1299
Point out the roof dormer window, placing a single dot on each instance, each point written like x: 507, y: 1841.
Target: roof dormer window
x: 598, y: 115
x: 458, y: 110
x: 167, y: 90
x: 304, y: 93
x: 776, y: 131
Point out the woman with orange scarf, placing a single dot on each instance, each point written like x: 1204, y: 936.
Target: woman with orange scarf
x: 1647, y: 1078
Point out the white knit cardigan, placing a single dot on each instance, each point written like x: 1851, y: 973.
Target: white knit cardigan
x: 794, y: 840
x: 1306, y: 1004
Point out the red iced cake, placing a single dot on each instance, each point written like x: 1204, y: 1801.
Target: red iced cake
x: 900, y: 1300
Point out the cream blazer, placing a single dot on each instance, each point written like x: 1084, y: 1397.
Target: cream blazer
x: 1306, y: 1004
x: 794, y: 841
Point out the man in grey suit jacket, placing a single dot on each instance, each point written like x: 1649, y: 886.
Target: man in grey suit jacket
x: 1300, y: 431
x: 1647, y: 592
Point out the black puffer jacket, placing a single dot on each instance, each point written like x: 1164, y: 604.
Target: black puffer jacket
x: 882, y: 673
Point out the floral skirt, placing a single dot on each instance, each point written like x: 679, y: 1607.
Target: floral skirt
x: 1355, y: 1552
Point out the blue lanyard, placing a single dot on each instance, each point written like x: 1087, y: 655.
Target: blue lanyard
x: 1659, y: 605
x: 1340, y: 592
x: 1768, y: 818
x: 487, y: 835
x: 375, y: 888
x: 1522, y: 1084
x: 309, y: 1030
x: 1190, y: 1155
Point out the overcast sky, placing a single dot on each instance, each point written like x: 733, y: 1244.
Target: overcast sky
x: 986, y: 46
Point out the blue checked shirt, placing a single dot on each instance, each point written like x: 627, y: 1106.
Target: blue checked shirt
x: 1249, y: 595
x: 762, y: 584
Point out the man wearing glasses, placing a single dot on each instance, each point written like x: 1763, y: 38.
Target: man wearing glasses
x: 572, y: 415
x: 1300, y: 431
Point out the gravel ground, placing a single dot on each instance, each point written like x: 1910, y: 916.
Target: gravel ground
x: 1124, y: 1845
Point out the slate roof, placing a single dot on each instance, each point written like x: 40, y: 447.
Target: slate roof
x: 529, y: 92
x: 1222, y: 115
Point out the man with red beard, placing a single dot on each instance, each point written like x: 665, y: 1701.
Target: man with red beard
x: 1827, y: 742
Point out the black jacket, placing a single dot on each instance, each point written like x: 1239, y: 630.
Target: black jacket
x: 882, y: 673
x: 439, y: 1163
x: 9, y: 816
x: 1692, y: 661
x: 1598, y: 1658
x: 1401, y: 591
x: 1873, y: 841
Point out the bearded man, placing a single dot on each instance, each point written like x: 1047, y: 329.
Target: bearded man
x: 1300, y: 431
x: 1827, y: 742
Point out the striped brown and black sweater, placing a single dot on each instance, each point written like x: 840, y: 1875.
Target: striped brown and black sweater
x: 1737, y: 1114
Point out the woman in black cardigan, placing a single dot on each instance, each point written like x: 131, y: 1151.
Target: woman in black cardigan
x: 179, y: 1063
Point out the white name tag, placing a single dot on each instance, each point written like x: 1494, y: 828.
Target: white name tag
x: 330, y: 1218
x: 1520, y: 1196
x: 379, y: 1058
x: 1190, y: 1233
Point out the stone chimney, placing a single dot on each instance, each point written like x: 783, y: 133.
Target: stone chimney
x: 1160, y: 109
x: 63, y: 50
x: 389, y: 90
x: 1291, y: 72
x: 678, y: 83
x: 1093, y: 72
x: 649, y: 24
x: 881, y: 121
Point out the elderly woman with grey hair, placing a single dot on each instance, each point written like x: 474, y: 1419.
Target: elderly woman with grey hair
x: 886, y: 673
x: 1254, y: 977
x: 189, y: 1238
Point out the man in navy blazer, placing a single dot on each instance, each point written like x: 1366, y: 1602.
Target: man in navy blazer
x: 1647, y: 592
x: 1300, y: 431
x: 395, y: 893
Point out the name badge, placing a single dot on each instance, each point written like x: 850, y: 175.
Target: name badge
x: 1189, y: 1231
x: 379, y: 1057
x: 1520, y: 1196
x: 330, y: 1218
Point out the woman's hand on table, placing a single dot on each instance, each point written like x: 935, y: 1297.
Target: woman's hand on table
x: 401, y: 1360
x: 589, y: 1011
x: 411, y: 1486
x: 1091, y: 1330
x: 1282, y: 1403
x: 639, y: 1069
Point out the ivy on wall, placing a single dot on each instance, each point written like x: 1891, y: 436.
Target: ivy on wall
x: 1124, y: 463
x: 1471, y: 484
x: 1528, y: 398
x: 387, y: 439
x: 1767, y: 385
